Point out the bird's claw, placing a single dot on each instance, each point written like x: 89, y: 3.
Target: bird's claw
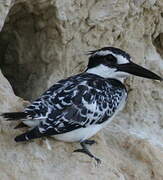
x: 90, y: 155
x: 79, y: 150
x: 90, y: 142
x: 97, y: 160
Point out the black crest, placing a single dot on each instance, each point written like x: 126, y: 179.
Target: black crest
x: 114, y: 50
x: 109, y: 59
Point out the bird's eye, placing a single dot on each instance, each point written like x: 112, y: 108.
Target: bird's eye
x: 111, y: 60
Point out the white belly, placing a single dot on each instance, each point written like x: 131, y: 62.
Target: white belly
x: 79, y: 134
x: 85, y: 133
x: 82, y: 134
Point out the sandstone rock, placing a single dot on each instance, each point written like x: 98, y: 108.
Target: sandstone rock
x: 44, y: 40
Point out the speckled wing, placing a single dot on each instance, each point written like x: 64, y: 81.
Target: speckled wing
x: 76, y: 102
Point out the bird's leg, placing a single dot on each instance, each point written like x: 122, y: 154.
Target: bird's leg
x: 90, y: 142
x: 86, y: 151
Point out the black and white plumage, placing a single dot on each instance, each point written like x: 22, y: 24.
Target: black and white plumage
x: 76, y: 108
x: 80, y: 101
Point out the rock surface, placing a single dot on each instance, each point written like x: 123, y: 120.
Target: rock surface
x: 42, y: 41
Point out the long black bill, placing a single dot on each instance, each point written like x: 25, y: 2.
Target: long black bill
x: 137, y: 70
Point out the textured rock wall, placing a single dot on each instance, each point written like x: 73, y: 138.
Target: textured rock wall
x: 42, y: 41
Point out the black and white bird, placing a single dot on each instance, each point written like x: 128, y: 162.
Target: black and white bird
x: 76, y: 108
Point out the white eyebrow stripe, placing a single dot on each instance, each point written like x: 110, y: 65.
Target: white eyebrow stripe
x: 120, y: 58
x: 103, y: 53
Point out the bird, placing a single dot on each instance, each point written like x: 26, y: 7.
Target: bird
x: 75, y: 108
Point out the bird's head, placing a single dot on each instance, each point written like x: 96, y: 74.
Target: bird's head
x: 110, y: 62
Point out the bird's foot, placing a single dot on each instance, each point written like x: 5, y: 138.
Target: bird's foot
x: 86, y: 151
x: 90, y: 142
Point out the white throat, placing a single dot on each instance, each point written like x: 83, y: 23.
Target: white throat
x: 107, y: 72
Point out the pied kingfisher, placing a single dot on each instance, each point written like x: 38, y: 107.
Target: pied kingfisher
x: 76, y: 108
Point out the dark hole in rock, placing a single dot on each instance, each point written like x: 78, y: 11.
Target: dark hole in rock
x: 162, y: 14
x: 158, y: 43
x: 22, y: 51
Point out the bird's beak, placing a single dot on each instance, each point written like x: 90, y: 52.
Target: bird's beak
x: 137, y: 70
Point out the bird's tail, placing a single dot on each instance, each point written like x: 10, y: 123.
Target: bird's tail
x: 32, y: 134
x: 13, y: 116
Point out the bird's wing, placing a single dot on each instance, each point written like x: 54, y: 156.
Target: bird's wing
x: 80, y: 104
x: 49, y: 101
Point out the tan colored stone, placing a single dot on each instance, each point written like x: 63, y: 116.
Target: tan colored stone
x: 43, y: 41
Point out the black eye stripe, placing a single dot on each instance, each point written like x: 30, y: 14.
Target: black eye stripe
x: 110, y: 59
